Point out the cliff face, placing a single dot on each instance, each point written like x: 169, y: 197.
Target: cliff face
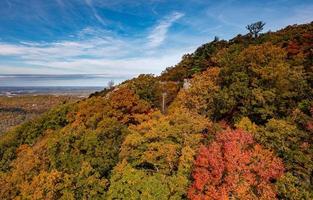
x: 242, y: 129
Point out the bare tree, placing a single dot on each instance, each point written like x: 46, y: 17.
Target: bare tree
x: 255, y: 28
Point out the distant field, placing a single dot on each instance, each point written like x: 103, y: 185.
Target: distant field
x: 18, y: 109
x: 12, y: 91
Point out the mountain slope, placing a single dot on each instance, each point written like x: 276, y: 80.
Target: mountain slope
x: 242, y: 128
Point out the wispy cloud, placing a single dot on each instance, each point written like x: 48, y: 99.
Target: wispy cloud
x: 158, y: 34
x: 96, y: 44
x: 99, y: 51
x: 95, y: 12
x: 91, y: 50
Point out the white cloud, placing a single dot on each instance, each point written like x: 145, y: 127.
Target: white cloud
x: 99, y: 51
x: 89, y: 51
x: 10, y: 50
x: 116, y: 67
x: 158, y: 34
x: 126, y: 67
x: 15, y: 69
x: 81, y: 46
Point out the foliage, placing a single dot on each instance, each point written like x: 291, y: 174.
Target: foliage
x: 199, y: 97
x: 29, y: 132
x: 294, y: 147
x: 122, y: 104
x: 159, y: 151
x: 193, y: 63
x: 99, y: 147
x: 246, y: 125
x: 127, y: 107
x: 35, y: 174
x: 130, y: 183
x: 147, y: 88
x: 234, y: 166
x: 151, y: 89
x: 257, y: 82
x: 58, y: 185
x: 71, y: 150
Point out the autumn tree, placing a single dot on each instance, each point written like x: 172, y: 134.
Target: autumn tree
x: 92, y: 133
x: 199, y: 97
x: 257, y: 82
x: 29, y: 132
x: 52, y: 185
x: 292, y: 145
x: 127, y: 107
x: 234, y: 166
x: 179, y: 71
x: 295, y: 149
x: 194, y: 63
x: 130, y: 183
x: 30, y: 160
x: 146, y: 86
x: 122, y: 104
x: 160, y: 152
x: 72, y: 146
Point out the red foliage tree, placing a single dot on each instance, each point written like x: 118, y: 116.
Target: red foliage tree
x: 234, y: 166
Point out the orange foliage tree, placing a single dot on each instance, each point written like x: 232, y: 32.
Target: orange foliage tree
x: 199, y: 97
x: 122, y: 104
x: 234, y: 166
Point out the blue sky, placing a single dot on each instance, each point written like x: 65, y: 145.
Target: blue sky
x: 123, y: 38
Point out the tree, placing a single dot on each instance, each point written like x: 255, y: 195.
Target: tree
x: 99, y: 147
x: 156, y: 144
x: 255, y: 28
x: 157, y: 157
x: 130, y: 183
x: 121, y: 104
x: 146, y: 86
x: 234, y: 166
x: 293, y: 146
x: 257, y: 82
x: 29, y: 132
x: 127, y: 107
x: 60, y: 185
x: 199, y: 96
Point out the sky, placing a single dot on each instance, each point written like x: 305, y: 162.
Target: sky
x: 124, y: 38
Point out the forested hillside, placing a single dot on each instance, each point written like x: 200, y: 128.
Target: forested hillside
x: 240, y: 127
